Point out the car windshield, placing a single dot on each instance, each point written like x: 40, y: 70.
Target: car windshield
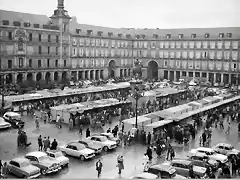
x: 42, y: 158
x: 25, y: 164
x: 58, y: 154
x: 210, y: 152
x: 104, y: 138
x: 172, y: 175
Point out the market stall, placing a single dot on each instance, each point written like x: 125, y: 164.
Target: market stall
x: 153, y: 117
x: 177, y: 110
x: 218, y: 97
x: 141, y: 122
x: 156, y: 125
x: 203, y: 102
x: 211, y: 99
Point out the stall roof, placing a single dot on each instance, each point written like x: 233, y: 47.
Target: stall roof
x: 218, y: 97
x: 194, y: 103
x: 210, y: 99
x: 140, y: 119
x: 177, y: 108
x: 202, y: 102
x: 159, y: 123
x: 163, y: 113
x: 152, y: 116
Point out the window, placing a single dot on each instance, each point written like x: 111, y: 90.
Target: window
x: 205, y: 54
x: 20, y: 62
x: 64, y: 50
x: 204, y: 75
x: 48, y: 62
x: 15, y: 164
x: 234, y: 65
x: 206, y: 35
x: 165, y: 63
x: 39, y: 50
x: 65, y: 63
x: 48, y: 50
x: 56, y: 50
x: 39, y: 37
x: 180, y: 36
x: 221, y: 35
x: 184, y: 73
x: 39, y: 63
x: 10, y: 35
x: 57, y: 38
x: 9, y: 63
x: 229, y: 35
x: 30, y: 36
x: 193, y: 36
x: 26, y: 24
x: 5, y: 22
x: 49, y: 38
x: 56, y: 63
x: 168, y: 36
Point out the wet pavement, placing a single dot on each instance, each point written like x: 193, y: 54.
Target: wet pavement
x: 132, y: 155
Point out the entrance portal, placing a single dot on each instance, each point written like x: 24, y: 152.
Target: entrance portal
x: 152, y: 70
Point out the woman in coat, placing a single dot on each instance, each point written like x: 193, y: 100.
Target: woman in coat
x: 120, y: 164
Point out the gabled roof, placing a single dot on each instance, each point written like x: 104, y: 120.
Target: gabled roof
x: 23, y: 17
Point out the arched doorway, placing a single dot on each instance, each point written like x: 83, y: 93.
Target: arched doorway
x: 97, y: 74
x: 19, y: 78
x: 39, y: 76
x: 55, y: 76
x: 64, y: 76
x: 153, y: 70
x: 111, y: 68
x: 86, y: 75
x: 29, y: 77
x: 129, y: 72
x: 48, y: 77
x: 101, y: 74
x: 125, y: 72
x: 121, y: 72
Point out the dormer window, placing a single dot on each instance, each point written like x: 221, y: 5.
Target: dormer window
x: 193, y: 36
x: 99, y: 33
x: 229, y: 35
x: 16, y: 23
x: 206, y: 35
x: 26, y: 24
x: 180, y: 36
x: 168, y: 36
x: 5, y: 22
x: 36, y: 25
x: 221, y: 35
x: 119, y: 35
x: 78, y: 31
x: 143, y: 36
x: 110, y: 34
x: 128, y: 36
x: 155, y: 36
x: 89, y: 32
x: 137, y: 37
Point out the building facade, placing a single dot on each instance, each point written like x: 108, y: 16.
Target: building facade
x: 59, y: 48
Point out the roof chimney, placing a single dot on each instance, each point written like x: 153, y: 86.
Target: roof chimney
x: 60, y: 4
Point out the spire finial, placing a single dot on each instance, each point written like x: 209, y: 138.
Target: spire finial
x: 60, y: 4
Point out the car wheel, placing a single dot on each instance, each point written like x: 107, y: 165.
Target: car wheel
x: 105, y: 148
x: 43, y: 172
x: 82, y: 158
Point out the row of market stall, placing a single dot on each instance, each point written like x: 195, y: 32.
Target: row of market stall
x: 158, y: 119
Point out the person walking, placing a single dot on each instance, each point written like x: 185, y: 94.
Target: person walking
x: 40, y: 143
x: 221, y: 123
x: 45, y: 144
x: 48, y: 143
x: 145, y: 162
x: 149, y: 138
x: 88, y: 133
x: 149, y: 153
x: 99, y: 166
x: 228, y: 128
x: 80, y: 129
x: 54, y: 145
x: 120, y: 164
x: 37, y: 123
x: 5, y: 170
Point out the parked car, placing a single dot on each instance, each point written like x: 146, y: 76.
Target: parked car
x: 78, y: 150
x: 202, y: 160
x: 14, y: 119
x: 22, y: 168
x: 111, y: 137
x: 224, y: 148
x: 104, y: 142
x: 210, y: 153
x: 4, y: 124
x: 164, y: 171
x: 58, y: 155
x: 46, y: 164
x: 90, y: 145
x: 182, y: 167
x: 145, y: 175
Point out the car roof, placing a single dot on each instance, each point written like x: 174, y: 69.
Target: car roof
x: 162, y: 167
x: 224, y: 144
x: 75, y: 143
x: 36, y: 154
x: 53, y: 151
x: 12, y: 114
x: 204, y: 149
x: 199, y: 154
x: 98, y: 136
x: 146, y: 175
x: 182, y: 161
x: 20, y: 159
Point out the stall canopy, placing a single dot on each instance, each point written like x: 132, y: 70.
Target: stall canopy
x: 151, y: 127
x: 218, y: 97
x: 163, y: 114
x: 166, y: 91
x: 211, y: 99
x: 179, y: 109
x: 203, y: 102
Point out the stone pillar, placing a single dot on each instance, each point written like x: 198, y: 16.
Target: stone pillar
x: 229, y: 78
x: 144, y: 72
x: 77, y: 74
x: 214, y: 77
x: 24, y: 76
x: 174, y: 76
x: 34, y: 76
x: 83, y: 75
x: 105, y: 73
x: 43, y: 75
x: 14, y: 78
x: 89, y: 72
x: 99, y: 74
x: 160, y: 73
x: 168, y: 75
x: 94, y: 74
x: 59, y: 76
x: 207, y: 77
x: 117, y: 72
x: 221, y: 78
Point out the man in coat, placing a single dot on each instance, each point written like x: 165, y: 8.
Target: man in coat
x: 99, y: 167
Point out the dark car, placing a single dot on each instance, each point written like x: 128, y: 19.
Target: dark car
x: 14, y: 119
x: 202, y: 160
x: 90, y: 145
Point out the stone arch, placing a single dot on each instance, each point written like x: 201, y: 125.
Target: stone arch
x: 39, y: 76
x: 152, y: 70
x: 48, y: 77
x: 125, y: 72
x: 64, y: 76
x: 55, y: 76
x: 19, y: 78
x: 111, y: 68
x: 29, y: 77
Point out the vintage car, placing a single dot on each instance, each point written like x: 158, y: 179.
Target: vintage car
x: 182, y: 167
x: 58, y: 155
x: 104, y: 142
x: 224, y: 148
x: 145, y: 175
x: 111, y: 137
x: 22, y: 168
x: 210, y: 153
x: 90, y: 145
x: 46, y: 164
x: 4, y: 124
x: 78, y: 150
x: 14, y: 119
x: 202, y: 160
x: 164, y: 171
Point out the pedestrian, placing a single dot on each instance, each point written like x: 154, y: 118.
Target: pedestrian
x: 48, y: 143
x: 169, y: 151
x: 37, y: 123
x: 221, y: 124
x: 149, y: 153
x: 99, y: 167
x: 219, y: 173
x: 54, y: 145
x: 149, y: 138
x: 45, y: 144
x: 228, y: 128
x: 109, y: 130
x: 191, y: 172
x: 5, y: 170
x: 125, y: 139
x: 172, y: 154
x: 40, y: 143
x: 88, y: 133
x: 159, y: 150
x: 204, y: 138
x: 145, y: 162
x: 122, y: 126
x: 120, y: 164
x: 80, y: 129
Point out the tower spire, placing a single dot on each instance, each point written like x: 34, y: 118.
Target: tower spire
x: 60, y: 4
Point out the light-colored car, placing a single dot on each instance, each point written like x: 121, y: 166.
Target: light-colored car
x: 46, y: 164
x: 111, y: 137
x: 90, y: 145
x: 182, y: 167
x: 14, y: 119
x: 4, y: 124
x: 78, y: 150
x: 104, y: 142
x: 145, y: 175
x: 224, y: 148
x: 22, y: 168
x: 210, y: 153
x: 58, y: 155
